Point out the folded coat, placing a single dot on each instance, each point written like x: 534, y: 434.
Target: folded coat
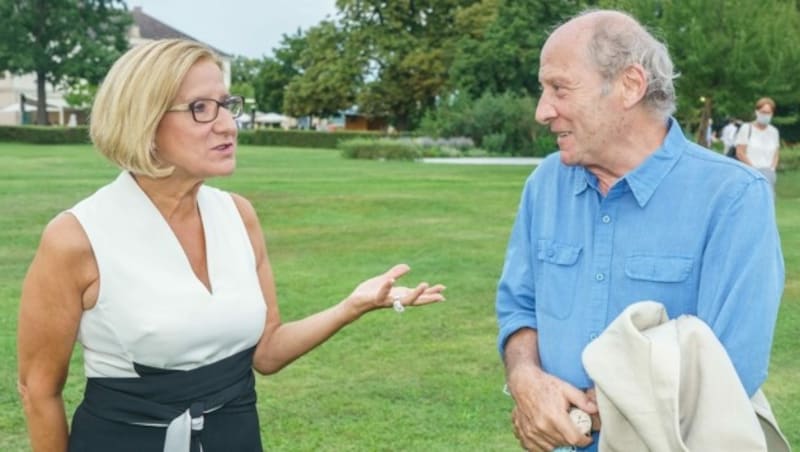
x: 668, y: 385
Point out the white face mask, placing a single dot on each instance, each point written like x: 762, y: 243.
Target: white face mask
x: 763, y: 118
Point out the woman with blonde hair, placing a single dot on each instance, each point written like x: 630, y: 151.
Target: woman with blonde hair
x: 165, y: 281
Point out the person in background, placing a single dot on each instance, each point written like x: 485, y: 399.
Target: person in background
x: 728, y: 137
x: 629, y: 209
x: 711, y: 136
x: 758, y: 143
x: 164, y: 280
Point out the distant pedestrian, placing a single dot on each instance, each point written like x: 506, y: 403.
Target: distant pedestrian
x: 728, y: 137
x: 758, y: 142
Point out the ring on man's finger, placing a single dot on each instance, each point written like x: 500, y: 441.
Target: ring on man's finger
x: 397, y: 304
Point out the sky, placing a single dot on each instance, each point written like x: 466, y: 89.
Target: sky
x: 251, y: 28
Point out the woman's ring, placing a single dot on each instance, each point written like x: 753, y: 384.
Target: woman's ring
x: 397, y: 304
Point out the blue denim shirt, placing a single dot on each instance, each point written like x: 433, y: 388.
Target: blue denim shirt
x: 688, y: 228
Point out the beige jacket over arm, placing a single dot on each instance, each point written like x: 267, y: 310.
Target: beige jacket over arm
x: 669, y: 386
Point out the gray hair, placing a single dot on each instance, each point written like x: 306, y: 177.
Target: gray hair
x: 617, y: 44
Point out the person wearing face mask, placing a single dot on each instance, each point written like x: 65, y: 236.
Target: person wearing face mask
x: 758, y: 143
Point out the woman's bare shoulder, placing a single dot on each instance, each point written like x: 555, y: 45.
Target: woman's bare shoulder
x: 247, y: 211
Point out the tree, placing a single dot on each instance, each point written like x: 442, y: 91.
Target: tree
x: 728, y: 53
x: 275, y: 73
x: 329, y: 74
x: 407, y: 49
x: 502, y: 54
x: 61, y: 40
x: 243, y: 73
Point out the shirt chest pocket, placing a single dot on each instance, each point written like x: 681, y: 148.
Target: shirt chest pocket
x: 662, y: 269
x: 557, y: 277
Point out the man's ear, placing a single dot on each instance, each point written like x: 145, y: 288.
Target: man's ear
x: 634, y: 85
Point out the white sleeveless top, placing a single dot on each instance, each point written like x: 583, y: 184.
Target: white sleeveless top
x: 151, y: 307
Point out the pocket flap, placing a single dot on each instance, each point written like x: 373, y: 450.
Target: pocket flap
x: 658, y: 268
x: 558, y: 253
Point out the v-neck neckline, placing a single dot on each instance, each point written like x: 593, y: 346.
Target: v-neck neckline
x: 176, y: 244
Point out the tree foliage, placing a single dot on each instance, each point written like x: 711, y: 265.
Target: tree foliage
x: 502, y: 54
x: 407, y: 48
x: 275, y: 73
x: 500, y: 123
x: 400, y: 59
x: 328, y: 73
x: 243, y: 73
x: 61, y: 41
x: 728, y: 52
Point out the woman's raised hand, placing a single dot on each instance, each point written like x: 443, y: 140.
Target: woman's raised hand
x: 381, y: 292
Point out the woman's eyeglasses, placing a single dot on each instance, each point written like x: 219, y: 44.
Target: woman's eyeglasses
x: 207, y: 110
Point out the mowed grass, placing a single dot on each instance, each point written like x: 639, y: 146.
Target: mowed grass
x: 427, y: 380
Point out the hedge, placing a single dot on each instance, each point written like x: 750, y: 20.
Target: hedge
x: 259, y: 137
x: 300, y: 138
x: 379, y: 149
x: 45, y: 134
x: 789, y: 159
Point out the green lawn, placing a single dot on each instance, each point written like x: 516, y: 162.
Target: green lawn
x: 428, y: 379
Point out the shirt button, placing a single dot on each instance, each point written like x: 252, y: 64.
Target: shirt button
x: 593, y: 336
x: 551, y: 252
x: 599, y: 276
x: 606, y: 219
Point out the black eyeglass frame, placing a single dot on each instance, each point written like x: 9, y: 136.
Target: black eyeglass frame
x: 225, y: 103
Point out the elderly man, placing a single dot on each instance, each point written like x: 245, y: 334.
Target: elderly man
x: 628, y: 210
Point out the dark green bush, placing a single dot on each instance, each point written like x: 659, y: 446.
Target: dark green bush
x: 300, y: 138
x: 260, y: 137
x: 789, y: 159
x: 45, y: 134
x: 545, y: 143
x: 379, y: 149
x: 495, y: 142
x: 502, y: 123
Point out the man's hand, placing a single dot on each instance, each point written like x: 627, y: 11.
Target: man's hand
x: 592, y: 395
x: 540, y: 416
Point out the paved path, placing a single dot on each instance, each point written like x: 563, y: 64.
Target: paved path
x: 528, y: 161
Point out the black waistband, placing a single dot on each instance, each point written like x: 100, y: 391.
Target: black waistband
x: 158, y: 396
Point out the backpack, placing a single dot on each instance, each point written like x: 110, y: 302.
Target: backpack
x: 731, y: 151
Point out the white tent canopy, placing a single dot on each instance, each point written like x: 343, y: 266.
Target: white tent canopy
x: 269, y: 119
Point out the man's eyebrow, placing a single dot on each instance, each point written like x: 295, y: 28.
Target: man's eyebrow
x: 560, y: 79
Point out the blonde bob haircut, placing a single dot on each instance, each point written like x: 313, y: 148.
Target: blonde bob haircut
x: 137, y: 91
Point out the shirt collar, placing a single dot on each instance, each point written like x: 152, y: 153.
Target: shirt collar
x: 645, y: 178
x: 583, y: 180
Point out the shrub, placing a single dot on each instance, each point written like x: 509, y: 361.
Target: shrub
x: 476, y: 152
x: 789, y: 159
x: 495, y: 142
x: 505, y: 120
x: 45, y: 134
x: 447, y: 151
x: 259, y: 137
x: 443, y: 151
x: 300, y: 138
x: 379, y: 149
x: 441, y: 147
